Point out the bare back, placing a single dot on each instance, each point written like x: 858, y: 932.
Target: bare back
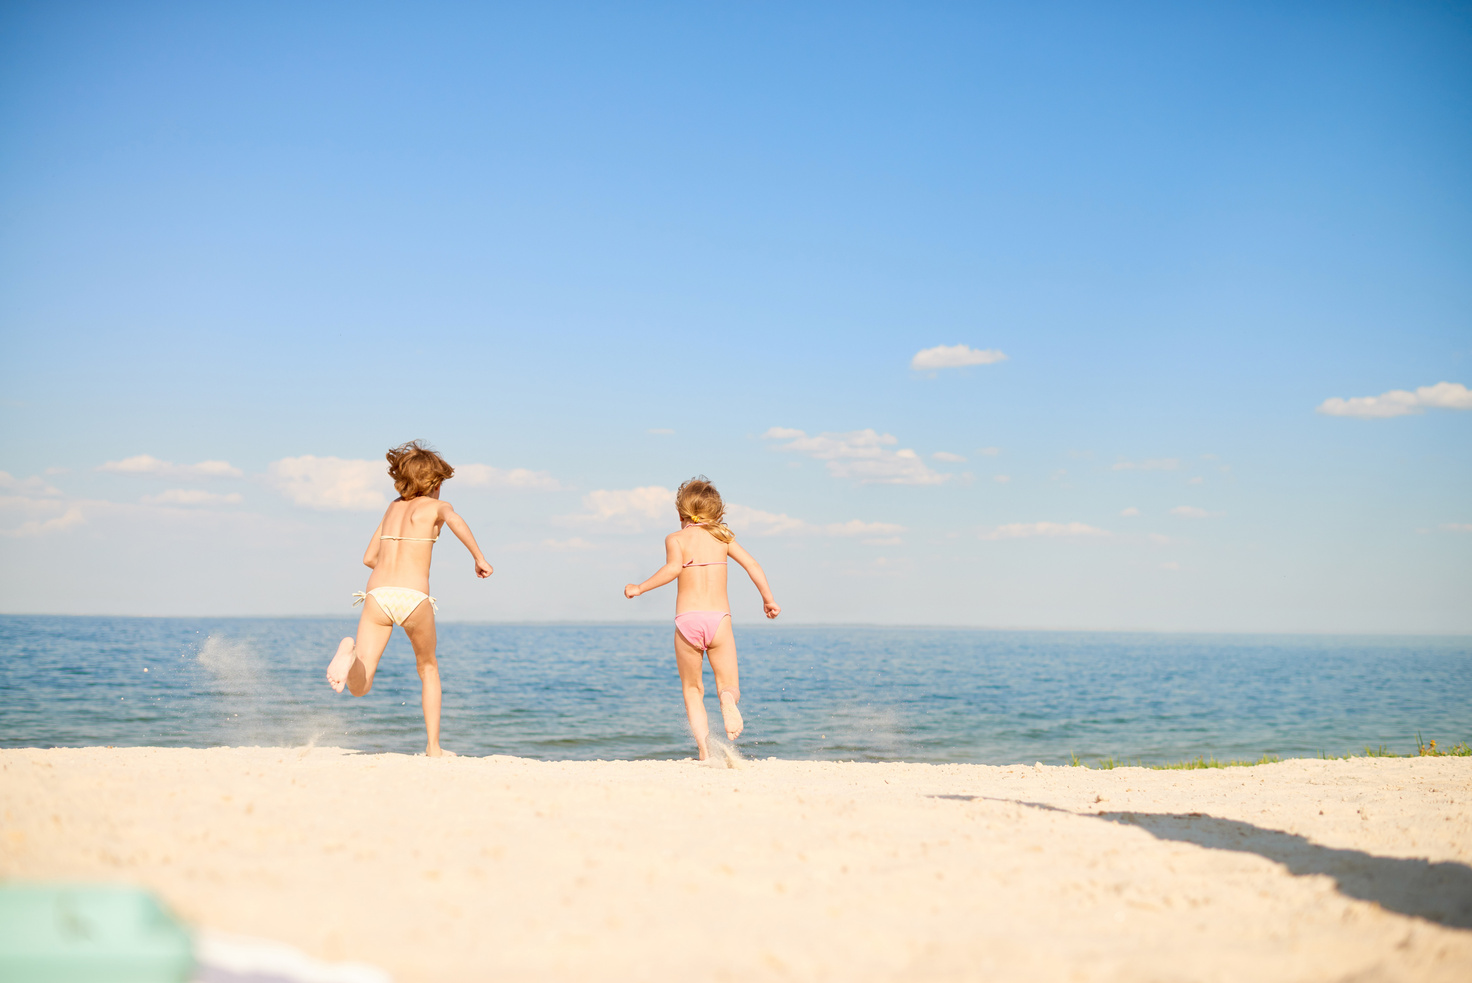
x: 702, y: 581
x: 405, y: 540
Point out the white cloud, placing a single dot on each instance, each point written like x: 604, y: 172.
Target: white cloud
x: 149, y: 465
x: 72, y: 516
x: 26, y: 486
x: 662, y: 431
x: 1001, y: 479
x: 1170, y: 565
x: 989, y: 451
x: 331, y: 483
x: 954, y: 357
x: 1198, y: 480
x: 191, y: 496
x: 1129, y: 512
x: 1193, y: 512
x: 519, y: 479
x: 864, y: 456
x: 1029, y: 530
x: 948, y: 457
x: 1400, y: 402
x: 742, y: 520
x: 627, y: 510
x: 1158, y: 539
x: 1154, y: 464
x: 1457, y: 526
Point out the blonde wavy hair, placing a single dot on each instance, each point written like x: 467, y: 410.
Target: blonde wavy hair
x: 416, y: 469
x: 700, y: 504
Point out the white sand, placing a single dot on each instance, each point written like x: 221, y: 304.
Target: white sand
x: 508, y: 869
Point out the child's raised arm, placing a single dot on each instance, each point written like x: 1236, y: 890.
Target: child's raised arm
x: 664, y: 574
x: 758, y: 577
x: 461, y: 529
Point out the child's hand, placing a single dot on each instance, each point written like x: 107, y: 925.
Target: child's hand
x: 632, y: 590
x: 771, y: 608
x: 482, y: 569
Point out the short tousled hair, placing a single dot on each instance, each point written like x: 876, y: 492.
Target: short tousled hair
x: 416, y: 469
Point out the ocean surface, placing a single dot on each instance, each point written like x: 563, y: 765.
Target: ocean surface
x: 848, y: 693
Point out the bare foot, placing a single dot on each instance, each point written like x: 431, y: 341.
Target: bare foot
x: 439, y: 752
x: 337, y: 669
x: 732, y: 716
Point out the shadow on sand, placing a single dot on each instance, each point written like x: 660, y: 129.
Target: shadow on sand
x: 1438, y: 892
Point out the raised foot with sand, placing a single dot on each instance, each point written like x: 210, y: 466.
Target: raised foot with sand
x: 732, y: 716
x: 341, y: 664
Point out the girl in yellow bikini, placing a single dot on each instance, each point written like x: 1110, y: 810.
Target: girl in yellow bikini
x: 697, y: 556
x: 399, y: 556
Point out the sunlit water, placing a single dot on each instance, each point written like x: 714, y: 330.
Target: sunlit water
x: 584, y: 691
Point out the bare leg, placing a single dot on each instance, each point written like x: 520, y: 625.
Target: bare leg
x: 420, y: 628
x: 356, y: 661
x: 691, y: 663
x: 722, y: 655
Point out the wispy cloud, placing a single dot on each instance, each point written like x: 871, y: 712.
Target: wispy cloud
x: 662, y: 431
x: 331, y: 483
x: 948, y: 457
x: 743, y: 520
x: 1456, y: 527
x: 1401, y: 402
x: 627, y: 509
x: 1053, y: 530
x: 516, y: 479
x: 1130, y: 512
x: 989, y: 451
x: 1194, y: 512
x: 70, y: 515
x: 954, y: 357
x: 1001, y: 479
x: 147, y: 464
x: 26, y: 486
x: 1154, y: 464
x: 865, y: 456
x: 191, y: 496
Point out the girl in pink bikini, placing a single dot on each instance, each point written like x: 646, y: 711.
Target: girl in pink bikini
x: 697, y: 556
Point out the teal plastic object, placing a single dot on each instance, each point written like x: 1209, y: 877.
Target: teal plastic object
x: 89, y: 934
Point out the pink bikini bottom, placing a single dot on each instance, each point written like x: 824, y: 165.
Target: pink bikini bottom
x: 700, y: 627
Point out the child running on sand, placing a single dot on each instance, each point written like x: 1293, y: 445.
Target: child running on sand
x: 399, y: 556
x: 697, y: 556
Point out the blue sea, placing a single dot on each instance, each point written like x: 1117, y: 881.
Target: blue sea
x: 845, y: 693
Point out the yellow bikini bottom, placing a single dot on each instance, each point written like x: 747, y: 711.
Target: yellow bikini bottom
x: 397, y: 602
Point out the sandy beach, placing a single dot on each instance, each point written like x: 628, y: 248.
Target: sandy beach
x: 511, y: 869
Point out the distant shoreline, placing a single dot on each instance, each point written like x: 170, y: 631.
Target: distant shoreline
x: 788, y: 623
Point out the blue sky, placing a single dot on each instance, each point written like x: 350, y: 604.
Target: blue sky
x: 593, y: 250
